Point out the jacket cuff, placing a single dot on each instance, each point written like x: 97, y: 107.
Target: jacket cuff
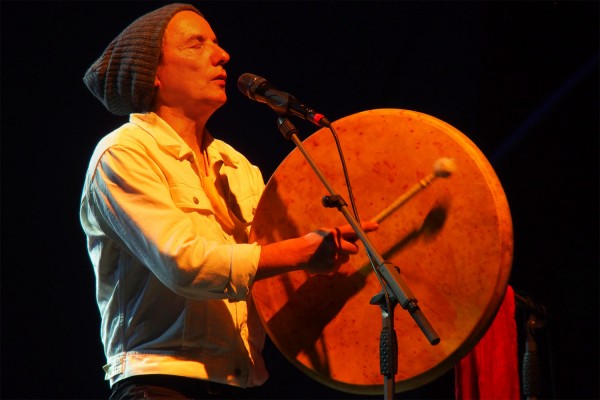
x: 243, y: 266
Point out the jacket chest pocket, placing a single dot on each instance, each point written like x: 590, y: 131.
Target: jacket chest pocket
x: 190, y: 199
x: 193, y: 202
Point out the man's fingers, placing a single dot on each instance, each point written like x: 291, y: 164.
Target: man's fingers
x: 335, y: 246
x: 348, y: 233
x: 346, y: 236
x: 346, y: 247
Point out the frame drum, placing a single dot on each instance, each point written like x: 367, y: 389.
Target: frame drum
x: 452, y: 241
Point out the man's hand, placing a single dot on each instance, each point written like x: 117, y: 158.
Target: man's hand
x: 334, y: 247
x: 320, y: 251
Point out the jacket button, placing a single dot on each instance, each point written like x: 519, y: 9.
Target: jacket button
x: 195, y: 200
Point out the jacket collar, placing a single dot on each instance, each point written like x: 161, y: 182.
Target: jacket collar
x: 169, y: 139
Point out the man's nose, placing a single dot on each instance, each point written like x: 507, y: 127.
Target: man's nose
x: 220, y: 56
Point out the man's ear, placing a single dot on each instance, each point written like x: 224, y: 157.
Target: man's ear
x: 156, y: 82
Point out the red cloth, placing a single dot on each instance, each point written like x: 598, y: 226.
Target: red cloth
x: 491, y: 371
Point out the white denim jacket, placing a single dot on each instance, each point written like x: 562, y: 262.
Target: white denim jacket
x: 172, y: 285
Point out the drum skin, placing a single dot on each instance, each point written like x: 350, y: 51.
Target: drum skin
x: 452, y: 241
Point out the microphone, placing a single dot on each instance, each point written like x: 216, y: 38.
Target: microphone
x: 257, y: 88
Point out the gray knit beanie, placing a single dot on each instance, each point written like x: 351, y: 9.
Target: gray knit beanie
x: 123, y: 77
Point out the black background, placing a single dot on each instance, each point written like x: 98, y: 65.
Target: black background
x: 518, y: 78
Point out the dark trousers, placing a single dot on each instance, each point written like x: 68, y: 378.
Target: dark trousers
x: 148, y: 387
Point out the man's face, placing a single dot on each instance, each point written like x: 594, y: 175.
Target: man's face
x: 190, y: 75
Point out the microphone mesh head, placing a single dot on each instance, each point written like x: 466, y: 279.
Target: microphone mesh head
x: 248, y: 83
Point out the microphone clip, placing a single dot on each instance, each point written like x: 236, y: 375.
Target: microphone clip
x: 333, y: 201
x: 286, y: 127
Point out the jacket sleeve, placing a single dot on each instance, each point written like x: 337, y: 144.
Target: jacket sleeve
x: 133, y: 205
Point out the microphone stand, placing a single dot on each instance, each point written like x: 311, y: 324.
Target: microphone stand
x: 390, y: 275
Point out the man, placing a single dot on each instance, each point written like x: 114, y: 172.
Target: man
x: 167, y: 210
